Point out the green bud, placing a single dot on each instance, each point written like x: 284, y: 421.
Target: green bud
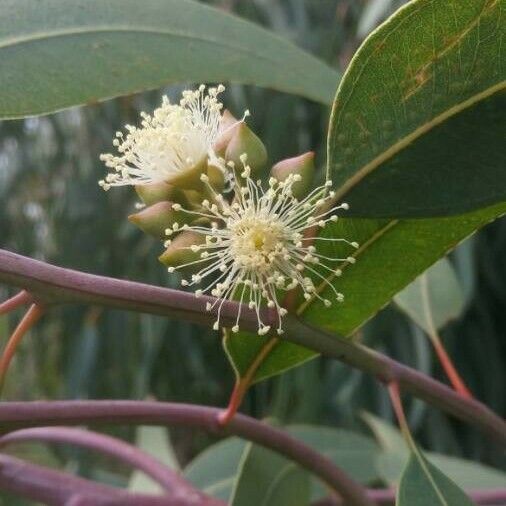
x: 155, y: 219
x: 302, y: 165
x: 228, y: 120
x: 179, y: 250
x: 216, y: 178
x: 156, y: 192
x: 189, y: 179
x: 245, y: 141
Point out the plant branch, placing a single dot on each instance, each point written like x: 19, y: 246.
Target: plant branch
x: 26, y: 414
x: 56, y: 488
x: 168, y: 479
x: 387, y: 370
x: 51, y: 284
x: 386, y: 497
x: 19, y: 299
x: 31, y: 317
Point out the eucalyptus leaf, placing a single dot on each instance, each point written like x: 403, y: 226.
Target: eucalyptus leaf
x: 214, y: 471
x: 155, y: 441
x: 395, y: 455
x: 422, y: 483
x: 418, y: 123
x: 434, y: 299
x: 84, y: 51
x: 265, y: 478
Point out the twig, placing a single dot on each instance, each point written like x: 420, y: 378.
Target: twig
x: 20, y: 299
x: 136, y: 458
x: 31, y: 317
x: 62, y: 489
x: 56, y: 285
x: 27, y: 414
x: 386, y: 497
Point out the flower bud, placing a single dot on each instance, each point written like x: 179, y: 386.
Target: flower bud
x: 189, y: 179
x: 180, y: 252
x: 303, y: 165
x: 216, y: 178
x: 245, y: 141
x: 155, y: 192
x: 155, y: 219
x: 228, y: 125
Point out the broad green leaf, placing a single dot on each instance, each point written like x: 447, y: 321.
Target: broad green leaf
x: 155, y: 441
x: 215, y: 469
x: 395, y: 454
x: 392, y: 254
x: 265, y: 478
x: 83, y: 51
x: 352, y: 452
x: 418, y: 123
x: 434, y: 298
x: 422, y: 483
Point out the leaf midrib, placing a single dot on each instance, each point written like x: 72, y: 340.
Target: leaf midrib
x: 379, y: 233
x: 76, y: 31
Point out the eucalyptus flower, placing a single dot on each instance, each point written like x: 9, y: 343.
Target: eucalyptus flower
x: 171, y: 146
x: 259, y: 244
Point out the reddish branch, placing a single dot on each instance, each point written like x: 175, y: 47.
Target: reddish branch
x: 168, y: 479
x: 62, y: 489
x: 50, y: 284
x: 31, y: 317
x: 26, y: 414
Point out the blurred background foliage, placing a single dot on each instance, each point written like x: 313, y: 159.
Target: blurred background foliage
x: 51, y: 208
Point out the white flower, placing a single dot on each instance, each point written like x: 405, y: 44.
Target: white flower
x: 171, y: 141
x: 255, y: 247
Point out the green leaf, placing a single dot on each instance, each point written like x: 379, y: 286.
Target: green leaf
x: 84, y: 51
x: 423, y: 483
x: 418, y: 123
x: 434, y: 299
x: 395, y: 455
x: 214, y: 471
x: 270, y: 480
x: 155, y: 441
x: 392, y: 254
x: 352, y: 452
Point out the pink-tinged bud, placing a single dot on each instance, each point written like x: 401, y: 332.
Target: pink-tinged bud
x: 186, y: 247
x: 155, y: 219
x: 155, y: 192
x: 245, y: 141
x: 228, y: 125
x: 302, y: 165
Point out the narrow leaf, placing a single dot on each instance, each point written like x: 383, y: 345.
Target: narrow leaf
x: 84, y: 51
x: 434, y: 299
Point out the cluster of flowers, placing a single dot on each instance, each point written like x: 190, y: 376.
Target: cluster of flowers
x: 194, y: 167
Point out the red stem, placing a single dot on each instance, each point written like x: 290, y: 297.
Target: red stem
x: 243, y: 383
x: 447, y: 364
x: 20, y: 299
x: 31, y: 317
